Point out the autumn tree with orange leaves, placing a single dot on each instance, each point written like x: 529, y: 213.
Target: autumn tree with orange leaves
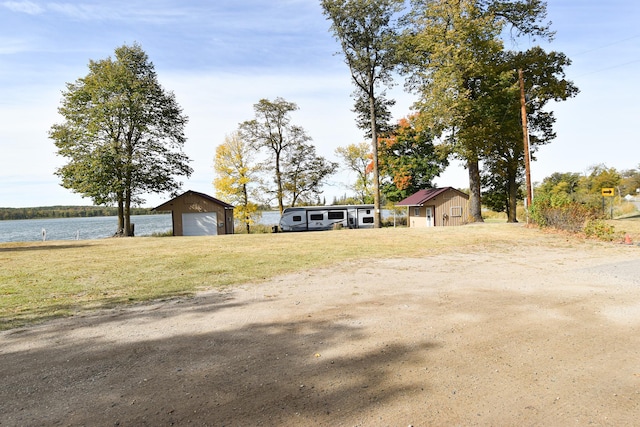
x: 408, y: 160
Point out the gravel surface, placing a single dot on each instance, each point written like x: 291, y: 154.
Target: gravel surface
x: 530, y: 334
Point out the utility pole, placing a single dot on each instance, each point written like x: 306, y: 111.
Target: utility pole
x: 525, y: 133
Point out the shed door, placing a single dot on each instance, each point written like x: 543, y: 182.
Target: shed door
x: 429, y: 214
x: 199, y: 224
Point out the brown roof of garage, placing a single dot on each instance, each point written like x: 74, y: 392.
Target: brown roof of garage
x: 422, y: 196
x: 167, y: 206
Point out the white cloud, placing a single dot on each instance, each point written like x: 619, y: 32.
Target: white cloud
x: 10, y: 46
x: 27, y: 7
x: 124, y: 12
x: 86, y: 12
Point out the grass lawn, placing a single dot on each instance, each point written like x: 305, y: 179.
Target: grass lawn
x: 44, y: 280
x: 628, y: 225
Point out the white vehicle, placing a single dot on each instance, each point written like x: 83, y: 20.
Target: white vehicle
x: 308, y: 218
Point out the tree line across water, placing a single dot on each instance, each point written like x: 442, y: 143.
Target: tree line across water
x: 66, y: 212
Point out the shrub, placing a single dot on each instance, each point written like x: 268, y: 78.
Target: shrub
x: 167, y: 233
x: 400, y: 221
x: 559, y: 212
x: 599, y: 229
x: 255, y: 229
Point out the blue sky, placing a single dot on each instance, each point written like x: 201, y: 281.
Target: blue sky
x: 221, y: 57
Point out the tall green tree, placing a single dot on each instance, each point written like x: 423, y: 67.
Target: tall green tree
x: 382, y: 110
x: 503, y: 159
x: 560, y: 184
x: 304, y: 173
x: 357, y: 158
x: 630, y: 183
x: 237, y: 178
x: 544, y: 81
x: 599, y: 177
x: 122, y: 134
x: 453, y: 46
x: 272, y: 130
x: 450, y: 52
x: 368, y: 36
x: 294, y: 168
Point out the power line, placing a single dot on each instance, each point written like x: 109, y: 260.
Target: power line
x: 609, y: 68
x: 607, y: 45
x: 604, y: 46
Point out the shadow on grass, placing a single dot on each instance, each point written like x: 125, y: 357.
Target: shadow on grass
x: 38, y: 248
x: 271, y: 373
x: 633, y: 216
x: 53, y: 311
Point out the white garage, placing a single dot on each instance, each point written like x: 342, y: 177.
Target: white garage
x: 200, y: 224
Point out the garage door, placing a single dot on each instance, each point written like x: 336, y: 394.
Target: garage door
x: 199, y: 224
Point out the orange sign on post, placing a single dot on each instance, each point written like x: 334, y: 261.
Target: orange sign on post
x: 608, y: 192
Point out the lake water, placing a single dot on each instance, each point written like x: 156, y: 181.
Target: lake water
x: 31, y: 230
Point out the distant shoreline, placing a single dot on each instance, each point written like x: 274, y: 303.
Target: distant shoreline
x: 43, y: 212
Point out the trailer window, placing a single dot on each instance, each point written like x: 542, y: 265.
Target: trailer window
x: 297, y: 218
x: 367, y: 220
x: 336, y: 215
x: 316, y: 217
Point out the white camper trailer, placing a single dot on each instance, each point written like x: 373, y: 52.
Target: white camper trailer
x: 311, y: 218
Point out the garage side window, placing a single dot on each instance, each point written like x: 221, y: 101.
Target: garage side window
x: 456, y: 211
x: 416, y: 211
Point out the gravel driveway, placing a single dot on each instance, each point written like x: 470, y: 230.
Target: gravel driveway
x: 527, y: 334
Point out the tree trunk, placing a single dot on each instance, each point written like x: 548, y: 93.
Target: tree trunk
x: 374, y: 150
x: 475, y: 201
x: 127, y: 215
x: 245, y: 197
x: 120, y: 229
x: 279, y: 190
x: 130, y: 140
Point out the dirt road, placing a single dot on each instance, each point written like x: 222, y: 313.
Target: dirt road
x: 527, y: 334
